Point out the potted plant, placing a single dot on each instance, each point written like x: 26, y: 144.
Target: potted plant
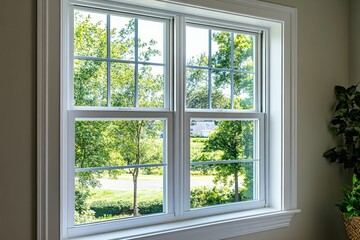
x: 346, y: 125
x: 350, y: 208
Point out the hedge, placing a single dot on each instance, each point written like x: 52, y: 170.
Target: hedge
x: 113, y: 208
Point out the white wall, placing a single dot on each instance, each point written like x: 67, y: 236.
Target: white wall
x: 323, y: 56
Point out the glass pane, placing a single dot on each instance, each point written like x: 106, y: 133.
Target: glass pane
x: 118, y: 143
x: 196, y: 88
x: 90, y: 83
x: 122, y: 38
x: 151, y: 41
x: 214, y: 184
x: 211, y: 181
x: 151, y: 86
x: 221, y: 90
x: 122, y: 85
x: 90, y: 34
x: 197, y: 46
x: 243, y: 91
x: 221, y: 49
x: 107, y: 195
x: 244, y: 52
x: 214, y: 140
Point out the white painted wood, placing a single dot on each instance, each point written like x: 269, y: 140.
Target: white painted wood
x: 280, y: 28
x: 210, y: 228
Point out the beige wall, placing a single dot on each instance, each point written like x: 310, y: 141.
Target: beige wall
x: 354, y: 41
x: 322, y: 63
x: 17, y: 119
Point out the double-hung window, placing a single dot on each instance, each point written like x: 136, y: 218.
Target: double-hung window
x: 165, y: 119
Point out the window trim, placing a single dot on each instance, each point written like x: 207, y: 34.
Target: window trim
x: 279, y: 214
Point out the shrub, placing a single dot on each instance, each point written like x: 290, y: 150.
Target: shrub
x: 113, y: 208
x: 205, y: 196
x: 102, y: 208
x: 155, y: 206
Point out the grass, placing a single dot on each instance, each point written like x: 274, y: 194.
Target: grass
x: 143, y: 195
x: 115, y: 195
x: 141, y: 178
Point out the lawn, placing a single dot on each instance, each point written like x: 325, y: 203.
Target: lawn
x: 121, y: 188
x: 112, y: 195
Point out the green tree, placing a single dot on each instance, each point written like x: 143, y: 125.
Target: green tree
x: 90, y: 151
x: 197, y: 94
x: 242, y: 60
x: 229, y: 137
x: 131, y: 140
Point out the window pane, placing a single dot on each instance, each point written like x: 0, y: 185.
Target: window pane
x: 196, y: 88
x: 90, y: 83
x: 213, y: 143
x: 122, y: 85
x: 244, y: 52
x: 197, y: 46
x: 107, y: 195
x: 118, y: 143
x: 90, y: 34
x: 151, y: 41
x: 243, y: 91
x: 122, y: 38
x: 221, y: 90
x: 210, y: 140
x: 214, y: 184
x: 221, y: 49
x: 151, y: 86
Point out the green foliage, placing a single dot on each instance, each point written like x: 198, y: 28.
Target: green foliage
x: 83, y: 213
x: 107, y: 208
x: 209, y: 196
x: 243, y: 60
x: 346, y: 125
x: 234, y: 139
x: 350, y: 205
x: 200, y: 197
x: 121, y: 207
x: 197, y: 79
x: 149, y: 207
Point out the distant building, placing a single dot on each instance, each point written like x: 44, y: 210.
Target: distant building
x: 202, y: 128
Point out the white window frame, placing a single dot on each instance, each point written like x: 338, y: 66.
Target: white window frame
x: 279, y: 69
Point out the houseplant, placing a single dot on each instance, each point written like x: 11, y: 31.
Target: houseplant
x: 350, y: 208
x: 346, y: 126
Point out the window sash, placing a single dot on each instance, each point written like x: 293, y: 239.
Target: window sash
x: 216, y: 26
x: 258, y: 158
x: 168, y: 203
x: 108, y: 59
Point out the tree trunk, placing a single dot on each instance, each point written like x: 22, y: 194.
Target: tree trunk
x: 136, y: 171
x: 236, y: 185
x: 135, y: 181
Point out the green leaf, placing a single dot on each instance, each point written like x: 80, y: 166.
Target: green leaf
x: 335, y: 121
x: 351, y: 90
x: 340, y: 93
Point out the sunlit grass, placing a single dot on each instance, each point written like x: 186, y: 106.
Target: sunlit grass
x: 112, y: 195
x: 103, y: 194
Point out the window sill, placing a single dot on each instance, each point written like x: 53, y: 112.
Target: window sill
x: 215, y: 227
